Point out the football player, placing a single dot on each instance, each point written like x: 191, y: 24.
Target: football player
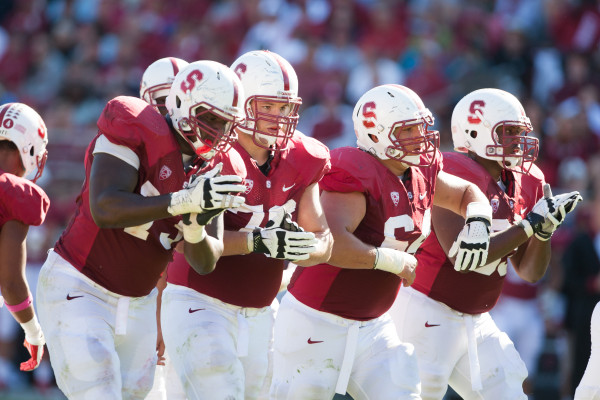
x: 589, y: 388
x: 154, y: 87
x: 23, y: 141
x: 157, y: 80
x: 97, y: 287
x: 445, y: 312
x: 218, y: 327
x: 332, y: 332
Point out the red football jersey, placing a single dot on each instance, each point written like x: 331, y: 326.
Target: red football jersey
x: 128, y: 261
x: 253, y: 280
x: 398, y: 215
x: 21, y: 200
x: 477, y: 291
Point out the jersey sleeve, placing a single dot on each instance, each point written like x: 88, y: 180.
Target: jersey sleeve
x: 128, y: 121
x: 24, y: 201
x: 317, y: 158
x: 344, y: 176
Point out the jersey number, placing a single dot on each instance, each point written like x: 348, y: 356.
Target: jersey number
x: 406, y: 222
x: 258, y: 215
x: 142, y: 231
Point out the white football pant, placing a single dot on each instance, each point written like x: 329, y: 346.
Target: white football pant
x: 101, y: 345
x: 219, y: 351
x: 317, y: 354
x: 589, y: 387
x: 521, y: 320
x: 167, y: 385
x: 468, y: 352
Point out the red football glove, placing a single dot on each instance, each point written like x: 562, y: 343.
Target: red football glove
x: 36, y: 352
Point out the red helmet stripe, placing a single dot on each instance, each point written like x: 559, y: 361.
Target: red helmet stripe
x: 234, y: 103
x: 286, y: 78
x: 174, y: 64
x: 3, y: 111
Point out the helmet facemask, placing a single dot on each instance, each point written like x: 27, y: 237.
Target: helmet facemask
x: 514, y: 150
x: 208, y: 130
x: 286, y: 120
x: 409, y: 149
x: 153, y: 93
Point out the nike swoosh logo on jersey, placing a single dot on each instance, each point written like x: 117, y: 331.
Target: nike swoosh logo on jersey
x: 69, y: 297
x: 422, y: 195
x: 428, y: 325
x: 193, y: 311
x: 310, y: 341
x: 285, y: 189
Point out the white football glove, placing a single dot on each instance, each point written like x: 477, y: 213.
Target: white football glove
x: 208, y: 191
x: 283, y: 239
x: 193, y: 231
x: 397, y: 262
x: 549, y: 213
x: 34, y: 343
x: 473, y: 242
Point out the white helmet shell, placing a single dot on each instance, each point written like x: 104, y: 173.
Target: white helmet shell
x: 383, y: 109
x: 476, y: 120
x: 206, y: 87
x: 158, y: 78
x: 268, y: 77
x: 23, y: 126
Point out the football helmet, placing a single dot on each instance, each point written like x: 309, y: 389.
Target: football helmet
x: 485, y: 121
x: 268, y: 77
x: 378, y: 115
x: 202, y: 91
x: 23, y: 126
x: 157, y: 79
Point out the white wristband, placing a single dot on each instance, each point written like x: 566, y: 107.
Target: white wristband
x: 389, y: 260
x: 195, y: 234
x: 250, y: 240
x: 526, y: 227
x: 33, y: 331
x: 479, y: 209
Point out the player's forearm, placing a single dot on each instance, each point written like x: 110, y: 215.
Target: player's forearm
x: 534, y: 262
x: 351, y: 253
x: 122, y: 209
x: 504, y: 242
x: 203, y: 256
x: 472, y: 194
x: 235, y: 243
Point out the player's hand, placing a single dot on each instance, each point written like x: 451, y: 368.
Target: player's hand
x: 209, y: 191
x: 36, y: 351
x: 473, y: 242
x: 283, y: 239
x: 549, y: 213
x: 397, y: 262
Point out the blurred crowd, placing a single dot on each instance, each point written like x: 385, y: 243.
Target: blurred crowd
x: 66, y: 58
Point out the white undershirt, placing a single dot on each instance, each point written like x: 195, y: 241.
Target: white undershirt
x: 103, y: 145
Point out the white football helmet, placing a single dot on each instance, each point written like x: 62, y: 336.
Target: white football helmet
x: 157, y: 79
x: 200, y: 91
x: 268, y: 77
x: 479, y: 124
x: 23, y: 126
x: 381, y: 111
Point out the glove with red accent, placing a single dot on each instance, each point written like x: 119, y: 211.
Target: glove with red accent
x: 34, y: 343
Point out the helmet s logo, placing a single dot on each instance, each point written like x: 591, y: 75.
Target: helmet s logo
x: 8, y: 123
x: 476, y: 110
x: 368, y: 113
x: 190, y: 80
x: 240, y: 69
x: 42, y: 131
